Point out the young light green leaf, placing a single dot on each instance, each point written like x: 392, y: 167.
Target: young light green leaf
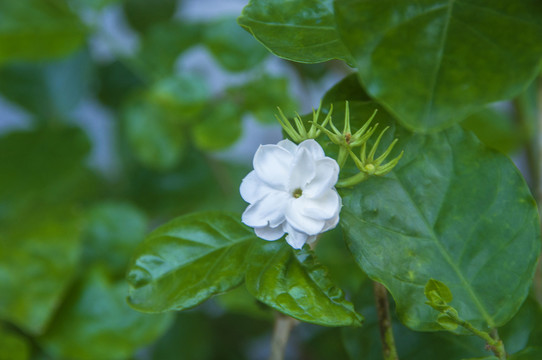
x: 450, y: 57
x: 438, y: 294
x: 187, y: 261
x: 96, y: 313
x: 298, y: 30
x: 454, y: 211
x: 294, y: 283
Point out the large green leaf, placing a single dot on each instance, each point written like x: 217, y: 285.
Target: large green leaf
x: 298, y: 30
x: 96, y: 323
x: 433, y: 62
x: 294, y: 283
x: 38, y: 30
x: 37, y: 264
x: 451, y: 210
x: 188, y: 260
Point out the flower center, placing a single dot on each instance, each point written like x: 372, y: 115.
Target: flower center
x: 297, y: 193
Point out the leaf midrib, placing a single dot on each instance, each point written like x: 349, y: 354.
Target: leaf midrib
x: 447, y: 257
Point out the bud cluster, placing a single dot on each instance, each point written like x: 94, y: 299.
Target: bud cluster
x: 367, y: 162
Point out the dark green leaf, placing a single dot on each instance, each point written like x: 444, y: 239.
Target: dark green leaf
x: 298, y: 30
x: 431, y: 63
x: 49, y: 90
x: 40, y: 167
x: 162, y: 44
x: 188, y: 260
x: 525, y: 329
x: 96, y: 322
x: 453, y: 211
x: 496, y: 129
x: 13, y: 346
x: 156, y: 138
x: 233, y: 48
x: 294, y: 283
x: 220, y: 127
x: 37, y: 263
x: 38, y: 30
x: 531, y: 353
x: 346, y: 89
x: 116, y: 83
x: 183, y: 95
x: 142, y: 14
x: 112, y: 232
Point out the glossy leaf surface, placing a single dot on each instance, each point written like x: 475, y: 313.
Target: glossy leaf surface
x: 450, y: 57
x: 96, y: 322
x: 294, y: 283
x: 188, y: 260
x: 299, y: 30
x: 451, y: 210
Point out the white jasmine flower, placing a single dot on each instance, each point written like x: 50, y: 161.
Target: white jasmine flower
x: 291, y: 190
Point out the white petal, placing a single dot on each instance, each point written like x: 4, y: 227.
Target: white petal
x: 301, y: 222
x: 269, y: 233
x: 325, y: 207
x: 272, y: 165
x: 288, y: 145
x: 268, y: 211
x: 303, y: 170
x: 295, y: 238
x: 327, y: 174
x: 313, y: 147
x: 253, y: 189
x: 331, y: 223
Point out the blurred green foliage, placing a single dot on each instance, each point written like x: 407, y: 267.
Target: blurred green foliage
x: 69, y: 229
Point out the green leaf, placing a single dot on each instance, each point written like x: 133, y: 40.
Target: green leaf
x: 525, y: 329
x: 13, y: 345
x: 112, y: 232
x: 449, y: 58
x: 38, y: 30
x: 232, y: 47
x: 495, y: 129
x: 162, y: 45
x: 37, y: 264
x: 530, y: 353
x: 220, y: 126
x: 187, y: 261
x: 183, y: 95
x: 49, y: 90
x: 96, y: 323
x: 451, y: 210
x: 143, y: 14
x: 157, y: 139
x: 294, y: 283
x: 40, y: 167
x: 298, y: 30
x: 435, y: 287
x: 116, y: 83
x: 346, y: 89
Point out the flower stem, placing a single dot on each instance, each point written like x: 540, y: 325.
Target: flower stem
x: 281, y: 332
x: 384, y: 319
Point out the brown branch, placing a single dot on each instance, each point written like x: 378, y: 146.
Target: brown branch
x: 281, y: 332
x: 384, y: 319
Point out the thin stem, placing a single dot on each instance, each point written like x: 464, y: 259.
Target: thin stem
x: 384, y: 319
x: 281, y: 332
x: 538, y: 275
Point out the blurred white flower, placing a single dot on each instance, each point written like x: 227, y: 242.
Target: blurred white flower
x: 291, y: 190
